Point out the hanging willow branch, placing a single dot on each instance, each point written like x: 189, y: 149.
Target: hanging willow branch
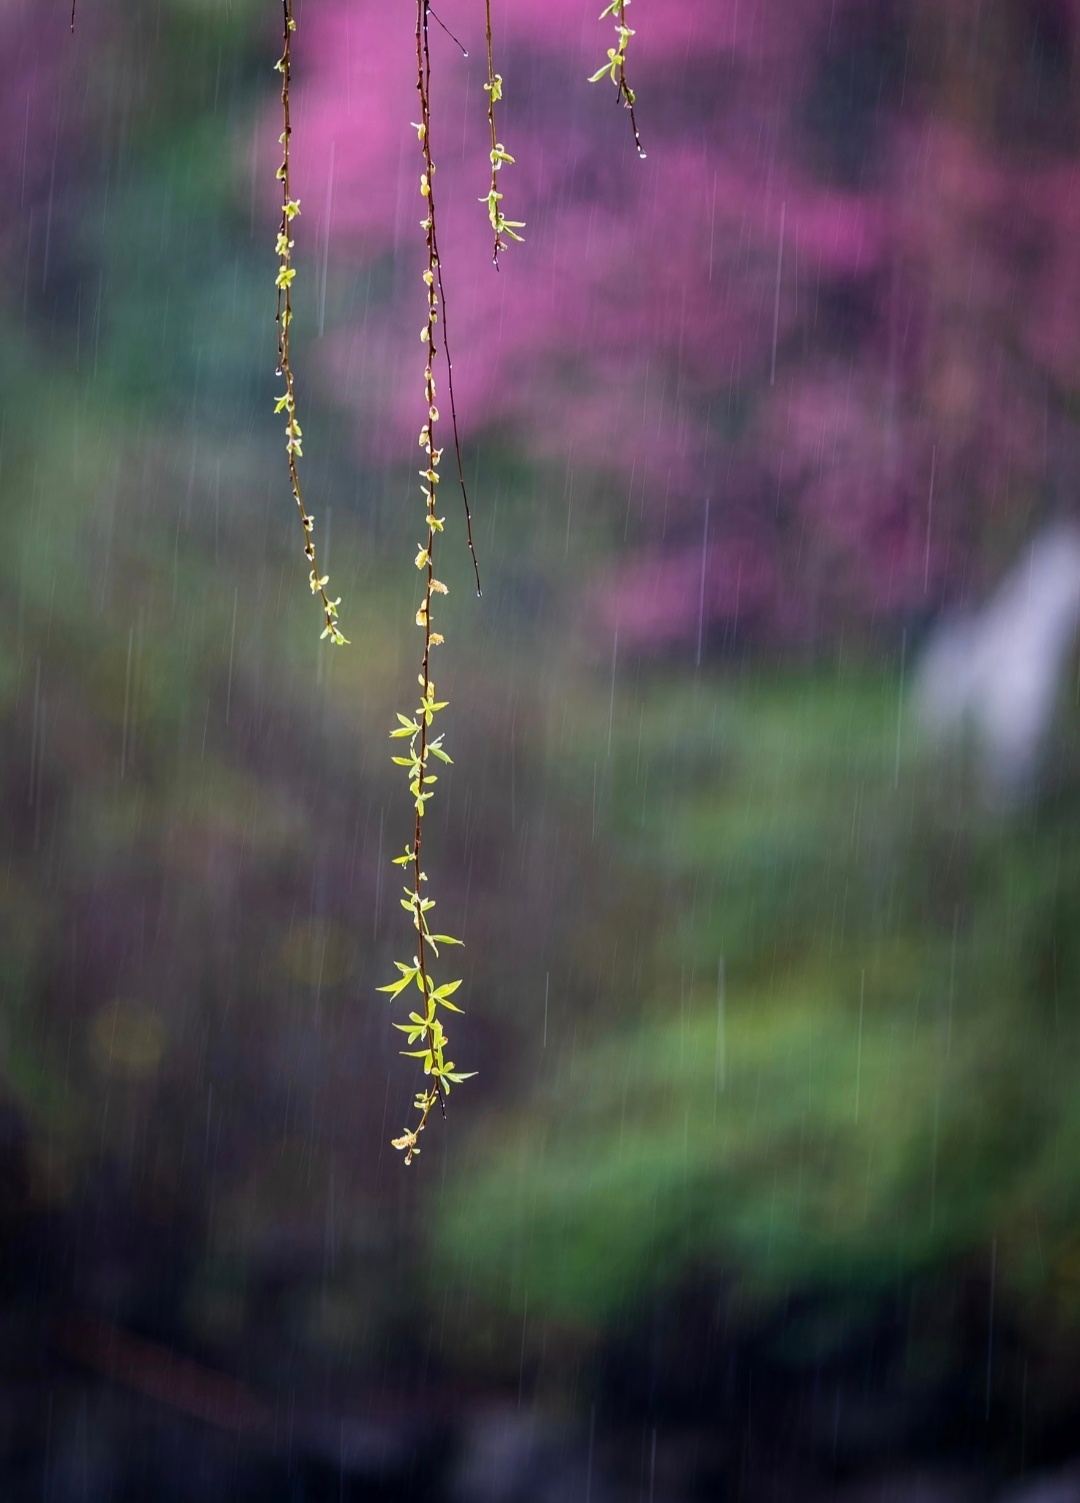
x: 425, y: 1026
x: 290, y: 210
x: 615, y: 67
x: 499, y: 156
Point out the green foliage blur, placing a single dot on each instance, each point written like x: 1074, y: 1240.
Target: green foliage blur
x: 844, y: 1053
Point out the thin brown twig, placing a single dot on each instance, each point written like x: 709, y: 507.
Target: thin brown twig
x: 435, y: 264
x: 498, y: 155
x: 441, y: 23
x: 453, y: 417
x: 290, y: 210
x: 615, y: 67
x: 433, y: 283
x: 427, y: 1029
x: 628, y: 98
x: 493, y: 92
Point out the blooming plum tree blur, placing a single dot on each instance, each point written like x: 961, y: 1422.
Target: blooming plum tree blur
x: 826, y: 333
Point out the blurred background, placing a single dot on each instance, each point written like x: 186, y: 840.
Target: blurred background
x: 763, y: 831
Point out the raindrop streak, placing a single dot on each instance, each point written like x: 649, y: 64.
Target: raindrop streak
x: 35, y: 728
x: 858, y: 1051
x: 933, y: 1159
x: 232, y: 654
x: 26, y: 142
x: 326, y: 249
x: 929, y: 519
x: 592, y: 1440
x: 49, y: 205
x: 521, y: 1361
x: 776, y: 301
x: 547, y: 993
x: 701, y: 588
x: 721, y: 1039
x: 990, y: 1327
x: 569, y: 505
x: 611, y: 704
x: 127, y: 707
x: 900, y: 708
x: 712, y: 227
x: 378, y: 876
x: 952, y: 982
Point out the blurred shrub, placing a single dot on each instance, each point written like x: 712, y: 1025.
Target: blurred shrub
x: 852, y: 1055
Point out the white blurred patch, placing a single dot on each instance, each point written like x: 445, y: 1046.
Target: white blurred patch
x: 994, y: 675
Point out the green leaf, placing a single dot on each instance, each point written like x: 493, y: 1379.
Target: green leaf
x: 395, y: 987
